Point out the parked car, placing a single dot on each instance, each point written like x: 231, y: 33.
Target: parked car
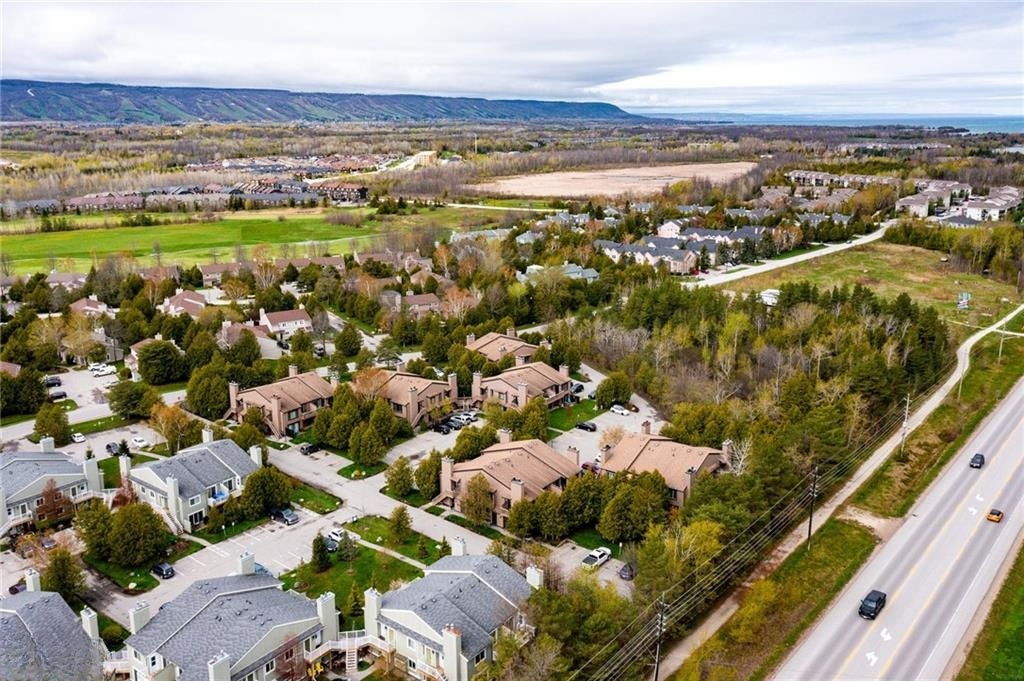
x: 577, y: 387
x: 593, y: 467
x: 48, y: 543
x: 58, y: 395
x: 259, y: 570
x: 995, y: 515
x: 592, y: 395
x: 285, y: 516
x: 105, y: 370
x: 77, y: 437
x: 111, y: 448
x: 337, y: 534
x: 626, y: 572
x: 163, y: 570
x: 283, y: 344
x: 440, y: 427
x: 139, y: 442
x: 453, y: 424
x: 588, y: 426
x: 93, y: 366
x: 597, y: 557
x: 461, y: 418
x: 632, y: 407
x: 331, y: 544
x: 619, y: 409
x: 977, y: 461
x: 308, y: 448
x: 51, y: 382
x: 319, y: 351
x: 17, y: 588
x: 872, y: 605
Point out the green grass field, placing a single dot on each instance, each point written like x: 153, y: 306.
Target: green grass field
x: 891, y: 269
x: 375, y: 530
x: 566, y: 418
x: 188, y: 243
x: 998, y: 652
x: 111, y: 471
x: 313, y: 499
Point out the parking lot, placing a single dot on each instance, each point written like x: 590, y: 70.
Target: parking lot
x: 568, y: 557
x: 98, y: 441
x: 84, y: 388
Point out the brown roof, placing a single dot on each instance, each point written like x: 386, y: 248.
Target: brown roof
x: 495, y: 345
x: 288, y: 316
x: 10, y: 368
x: 538, y: 377
x: 421, y: 299
x: 532, y: 461
x: 294, y: 391
x: 639, y: 453
x: 231, y: 333
x: 191, y: 302
x: 87, y: 305
x: 395, y: 387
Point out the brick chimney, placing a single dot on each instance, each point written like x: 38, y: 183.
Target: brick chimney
x: 564, y: 370
x: 511, y: 331
x: 233, y: 397
x: 477, y: 392
x: 504, y: 436
x: 453, y: 387
x: 447, y: 482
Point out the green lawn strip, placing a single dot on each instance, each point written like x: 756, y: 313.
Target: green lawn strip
x: 314, y: 499
x: 589, y: 538
x: 171, y: 387
x: 485, y: 530
x: 375, y: 530
x: 436, y: 510
x: 123, y: 577
x: 229, y: 530
x: 897, y: 484
x: 66, y: 405
x: 358, y: 323
x: 369, y: 568
x: 413, y: 498
x: 357, y: 471
x: 799, y: 251
x: 111, y: 470
x: 279, y: 446
x: 95, y: 426
x: 998, y: 652
x: 807, y: 583
x: 566, y: 418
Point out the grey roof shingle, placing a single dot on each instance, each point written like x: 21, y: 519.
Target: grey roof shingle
x: 41, y: 638
x: 475, y: 593
x: 18, y: 470
x: 228, y: 613
x: 201, y: 466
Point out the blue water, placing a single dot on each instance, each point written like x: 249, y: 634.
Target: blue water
x: 972, y: 123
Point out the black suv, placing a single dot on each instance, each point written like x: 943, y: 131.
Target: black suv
x: 977, y: 461
x: 872, y: 605
x: 51, y: 381
x: 587, y: 426
x: 57, y: 395
x: 308, y: 448
x: 163, y: 570
x: 441, y: 428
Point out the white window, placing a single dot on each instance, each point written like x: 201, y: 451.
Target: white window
x: 251, y: 676
x: 39, y: 502
x: 480, y: 656
x: 411, y: 664
x: 269, y: 667
x: 410, y: 643
x: 194, y: 501
x: 153, y: 661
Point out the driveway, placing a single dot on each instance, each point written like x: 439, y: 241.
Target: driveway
x: 84, y: 388
x: 568, y: 558
x: 98, y: 441
x: 420, y: 445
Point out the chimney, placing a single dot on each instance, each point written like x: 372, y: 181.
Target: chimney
x: 574, y: 454
x: 91, y: 624
x: 158, y: 337
x: 645, y: 427
x: 470, y: 338
x: 523, y: 394
x: 545, y: 344
x: 458, y: 546
x: 207, y: 435
x: 511, y: 331
x: 138, y: 617
x: 517, y: 490
x: 246, y: 563
x: 91, y: 470
x: 371, y: 609
x: 400, y: 366
x: 32, y: 580
x: 293, y: 370
x: 726, y: 451
x: 534, y: 576
x: 256, y: 454
x: 276, y: 416
x: 451, y: 647
x: 564, y: 370
x: 219, y: 668
x: 520, y: 360
x: 225, y: 324
x: 475, y: 394
x: 46, y: 444
x: 453, y: 387
x: 447, y: 470
x: 124, y: 466
x: 328, y: 615
x: 504, y: 436
x: 233, y: 397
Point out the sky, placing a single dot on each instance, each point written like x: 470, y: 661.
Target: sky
x: 743, y: 57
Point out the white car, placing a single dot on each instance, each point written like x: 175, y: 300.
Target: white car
x: 597, y: 557
x: 336, y: 534
x: 139, y: 442
x: 93, y: 366
x: 78, y: 437
x: 105, y: 370
x: 619, y: 409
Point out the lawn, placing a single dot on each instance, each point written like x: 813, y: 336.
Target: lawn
x: 806, y: 584
x: 589, y: 538
x: 95, y: 426
x: 229, y: 531
x: 374, y: 529
x: 357, y: 471
x: 186, y: 243
x: 485, y: 530
x: 171, y: 387
x: 370, y: 568
x: 413, y: 498
x: 894, y: 487
x: 798, y: 251
x: 566, y: 418
x: 66, y: 405
x: 998, y: 652
x: 436, y: 510
x: 891, y: 269
x: 312, y: 498
x: 141, y: 577
x: 112, y: 472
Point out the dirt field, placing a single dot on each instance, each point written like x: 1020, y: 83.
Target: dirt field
x: 612, y: 181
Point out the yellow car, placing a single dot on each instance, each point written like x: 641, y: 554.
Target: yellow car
x: 995, y: 515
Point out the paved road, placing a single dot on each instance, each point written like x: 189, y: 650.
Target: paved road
x: 936, y: 569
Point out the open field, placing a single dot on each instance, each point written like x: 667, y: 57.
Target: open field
x: 612, y: 181
x: 891, y: 269
x: 196, y: 242
x: 998, y: 652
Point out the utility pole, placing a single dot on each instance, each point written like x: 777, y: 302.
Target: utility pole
x: 661, y: 634
x: 906, y: 418
x: 810, y: 515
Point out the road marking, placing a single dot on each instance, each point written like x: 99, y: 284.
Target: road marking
x: 281, y: 564
x: 198, y: 561
x: 972, y: 510
x: 886, y: 636
x: 872, y: 658
x: 979, y: 498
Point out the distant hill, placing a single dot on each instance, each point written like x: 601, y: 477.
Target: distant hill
x: 29, y: 100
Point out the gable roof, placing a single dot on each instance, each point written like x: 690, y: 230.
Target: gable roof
x: 640, y: 453
x: 41, y: 638
x: 533, y: 462
x: 197, y: 468
x: 538, y: 377
x: 294, y: 391
x: 230, y: 614
x: 494, y: 346
x: 396, y: 385
x: 284, y: 316
x: 477, y: 594
x: 18, y: 470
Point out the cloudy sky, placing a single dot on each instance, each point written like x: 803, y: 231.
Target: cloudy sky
x: 798, y: 57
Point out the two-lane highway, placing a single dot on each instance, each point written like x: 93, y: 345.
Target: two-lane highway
x: 936, y: 569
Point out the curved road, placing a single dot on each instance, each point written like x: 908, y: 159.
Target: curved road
x: 936, y: 569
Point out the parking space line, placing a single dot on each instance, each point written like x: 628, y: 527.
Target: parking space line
x: 198, y: 561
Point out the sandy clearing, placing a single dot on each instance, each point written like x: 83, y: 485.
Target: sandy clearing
x: 613, y: 181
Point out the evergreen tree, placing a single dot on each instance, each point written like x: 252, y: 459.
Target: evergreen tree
x: 477, y: 504
x: 321, y: 559
x: 399, y: 477
x: 399, y: 524
x: 64, y: 576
